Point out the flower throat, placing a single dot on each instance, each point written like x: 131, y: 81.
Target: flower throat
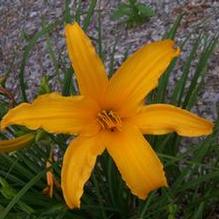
x: 109, y: 120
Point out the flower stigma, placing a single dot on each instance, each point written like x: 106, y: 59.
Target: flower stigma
x: 109, y: 120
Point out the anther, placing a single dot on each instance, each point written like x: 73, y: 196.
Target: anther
x: 109, y: 120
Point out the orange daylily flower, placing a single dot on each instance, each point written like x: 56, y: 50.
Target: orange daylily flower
x: 110, y: 114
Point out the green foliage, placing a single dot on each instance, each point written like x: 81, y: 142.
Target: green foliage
x: 193, y: 175
x: 133, y: 13
x: 44, y: 85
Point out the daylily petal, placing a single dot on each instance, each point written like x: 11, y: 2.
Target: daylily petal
x: 88, y: 67
x: 54, y: 113
x: 78, y: 163
x: 139, y: 74
x: 158, y: 119
x: 16, y: 143
x: 138, y: 164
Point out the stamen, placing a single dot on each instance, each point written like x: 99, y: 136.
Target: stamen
x: 116, y: 118
x: 109, y: 120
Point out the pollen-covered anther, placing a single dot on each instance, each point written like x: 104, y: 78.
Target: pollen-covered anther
x: 109, y: 120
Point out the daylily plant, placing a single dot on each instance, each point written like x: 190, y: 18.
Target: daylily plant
x: 110, y: 114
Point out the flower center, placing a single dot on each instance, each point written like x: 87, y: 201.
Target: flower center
x: 109, y: 120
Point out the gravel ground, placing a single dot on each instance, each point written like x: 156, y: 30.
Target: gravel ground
x: 20, y: 19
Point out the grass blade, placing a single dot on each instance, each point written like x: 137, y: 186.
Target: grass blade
x: 90, y: 13
x: 199, y: 74
x: 66, y: 90
x: 67, y: 12
x: 180, y: 86
x: 18, y: 196
x: 49, y: 28
x: 172, y: 32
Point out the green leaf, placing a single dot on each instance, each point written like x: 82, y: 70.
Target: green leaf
x: 162, y: 87
x: 145, y: 10
x: 172, y: 32
x: 18, y: 196
x: 66, y: 90
x: 180, y: 86
x: 78, y: 11
x: 199, y: 74
x: 47, y: 29
x: 67, y: 12
x: 44, y: 85
x: 122, y: 10
x: 90, y: 14
x: 199, y: 213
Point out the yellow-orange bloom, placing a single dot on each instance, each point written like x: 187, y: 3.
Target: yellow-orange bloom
x: 110, y: 114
